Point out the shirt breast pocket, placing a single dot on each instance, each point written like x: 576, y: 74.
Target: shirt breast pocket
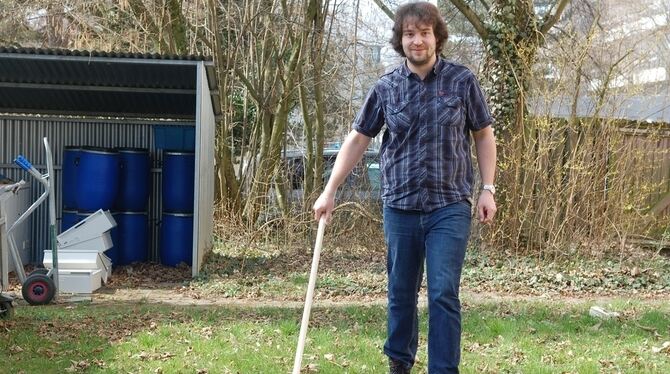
x: 399, y: 117
x: 449, y: 111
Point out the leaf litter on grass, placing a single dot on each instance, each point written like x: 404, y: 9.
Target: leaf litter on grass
x: 349, y: 273
x: 355, y: 273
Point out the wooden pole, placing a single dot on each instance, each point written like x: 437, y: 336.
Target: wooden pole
x: 310, y: 296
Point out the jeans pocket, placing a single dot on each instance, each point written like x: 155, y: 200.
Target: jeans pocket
x: 466, y: 206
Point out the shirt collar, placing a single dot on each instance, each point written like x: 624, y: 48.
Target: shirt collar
x: 404, y: 70
x: 438, y: 65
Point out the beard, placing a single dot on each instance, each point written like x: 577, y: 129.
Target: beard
x: 425, y: 58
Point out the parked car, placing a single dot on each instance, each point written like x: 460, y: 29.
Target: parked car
x: 363, y: 184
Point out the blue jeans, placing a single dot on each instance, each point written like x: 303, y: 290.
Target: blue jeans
x: 440, y: 238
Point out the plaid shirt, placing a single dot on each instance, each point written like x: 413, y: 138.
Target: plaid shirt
x: 425, y: 153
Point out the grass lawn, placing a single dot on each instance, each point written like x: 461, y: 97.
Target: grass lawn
x: 521, y: 336
x: 520, y: 316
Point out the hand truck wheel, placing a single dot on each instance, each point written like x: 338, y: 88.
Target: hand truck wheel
x: 6, y: 308
x: 38, y: 289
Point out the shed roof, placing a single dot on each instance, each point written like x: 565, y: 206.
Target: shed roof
x: 649, y: 108
x: 101, y: 84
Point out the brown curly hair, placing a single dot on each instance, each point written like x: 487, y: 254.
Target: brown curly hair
x: 421, y: 12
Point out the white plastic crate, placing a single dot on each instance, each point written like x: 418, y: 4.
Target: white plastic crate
x: 75, y: 259
x: 90, y: 229
x: 99, y: 243
x: 106, y: 267
x: 79, y: 281
x: 81, y: 260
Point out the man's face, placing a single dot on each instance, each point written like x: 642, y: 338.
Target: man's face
x: 418, y: 42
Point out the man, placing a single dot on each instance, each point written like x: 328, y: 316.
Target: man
x: 430, y: 107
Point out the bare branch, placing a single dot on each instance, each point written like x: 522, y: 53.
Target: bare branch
x: 474, y: 19
x: 250, y: 87
x: 385, y: 9
x: 551, y: 19
x: 142, y: 14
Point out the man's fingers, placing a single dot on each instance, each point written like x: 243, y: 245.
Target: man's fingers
x: 322, y: 212
x: 484, y: 215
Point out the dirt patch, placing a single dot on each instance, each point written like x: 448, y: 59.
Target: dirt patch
x: 355, y: 276
x: 178, y: 297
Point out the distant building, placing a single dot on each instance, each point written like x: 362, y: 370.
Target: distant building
x: 630, y: 50
x: 625, y: 73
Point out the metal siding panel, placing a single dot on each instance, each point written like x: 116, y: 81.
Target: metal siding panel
x: 155, y: 207
x: 195, y: 246
x: 24, y: 136
x: 204, y: 176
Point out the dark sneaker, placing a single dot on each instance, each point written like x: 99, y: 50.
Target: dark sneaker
x: 398, y: 367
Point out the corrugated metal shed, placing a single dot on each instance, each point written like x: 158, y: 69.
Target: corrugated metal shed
x: 107, y: 100
x: 53, y: 81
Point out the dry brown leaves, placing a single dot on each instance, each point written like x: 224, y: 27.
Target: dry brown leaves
x: 148, y: 275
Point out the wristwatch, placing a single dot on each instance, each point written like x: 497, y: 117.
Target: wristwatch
x: 489, y: 187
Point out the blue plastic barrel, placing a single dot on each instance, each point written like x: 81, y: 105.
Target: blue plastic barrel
x: 176, y: 239
x: 177, y: 179
x: 97, y: 179
x: 112, y: 253
x: 69, y: 218
x: 134, y: 177
x: 69, y: 183
x: 132, y: 241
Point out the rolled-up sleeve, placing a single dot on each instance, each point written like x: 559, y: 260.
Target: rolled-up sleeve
x: 370, y: 118
x: 478, y: 114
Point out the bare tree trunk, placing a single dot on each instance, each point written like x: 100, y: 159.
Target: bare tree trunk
x: 144, y: 17
x: 177, y: 24
x: 228, y: 187
x: 315, y: 17
x: 272, y: 139
x: 308, y: 170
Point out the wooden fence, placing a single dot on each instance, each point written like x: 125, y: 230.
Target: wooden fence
x: 653, y: 146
